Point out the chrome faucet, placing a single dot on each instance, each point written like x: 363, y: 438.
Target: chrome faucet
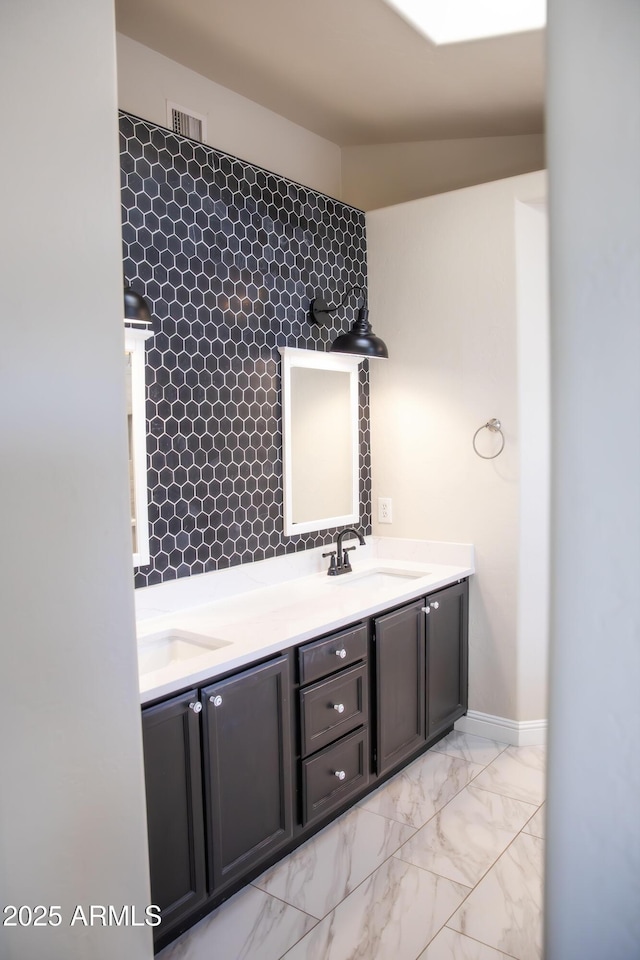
x: 341, y: 564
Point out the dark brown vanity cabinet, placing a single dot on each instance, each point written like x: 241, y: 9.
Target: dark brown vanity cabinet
x: 421, y: 673
x: 247, y: 769
x: 172, y: 765
x: 334, y: 721
x: 218, y: 771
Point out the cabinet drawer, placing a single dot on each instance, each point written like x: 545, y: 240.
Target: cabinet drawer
x: 322, y: 657
x: 322, y: 787
x: 333, y: 707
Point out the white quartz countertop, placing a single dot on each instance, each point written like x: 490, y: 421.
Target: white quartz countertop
x: 245, y: 614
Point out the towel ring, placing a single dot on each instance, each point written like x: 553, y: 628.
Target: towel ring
x: 494, y: 426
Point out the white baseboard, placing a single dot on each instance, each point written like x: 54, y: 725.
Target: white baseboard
x: 524, y: 733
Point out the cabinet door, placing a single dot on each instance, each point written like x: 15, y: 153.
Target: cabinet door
x: 171, y: 739
x: 400, y: 682
x: 248, y: 762
x: 446, y: 657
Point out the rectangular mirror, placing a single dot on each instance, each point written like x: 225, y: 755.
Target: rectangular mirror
x: 137, y: 433
x: 320, y: 440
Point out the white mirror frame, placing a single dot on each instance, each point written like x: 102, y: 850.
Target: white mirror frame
x: 134, y: 345
x: 318, y: 360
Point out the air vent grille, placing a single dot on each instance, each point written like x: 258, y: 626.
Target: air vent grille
x: 186, y: 122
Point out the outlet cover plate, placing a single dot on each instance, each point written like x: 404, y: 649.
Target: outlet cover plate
x: 385, y: 510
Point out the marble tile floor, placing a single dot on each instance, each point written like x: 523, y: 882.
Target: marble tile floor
x: 443, y: 862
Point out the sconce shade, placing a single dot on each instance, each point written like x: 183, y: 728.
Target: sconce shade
x: 360, y: 341
x: 135, y: 308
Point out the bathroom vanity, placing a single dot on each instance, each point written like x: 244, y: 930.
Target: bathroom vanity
x: 254, y: 745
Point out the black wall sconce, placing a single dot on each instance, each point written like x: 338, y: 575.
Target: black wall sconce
x: 135, y: 308
x: 360, y: 340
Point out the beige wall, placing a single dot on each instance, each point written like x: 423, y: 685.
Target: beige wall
x: 146, y: 80
x: 386, y: 174
x: 443, y: 296
x: 593, y: 828
x: 533, y: 362
x: 72, y: 818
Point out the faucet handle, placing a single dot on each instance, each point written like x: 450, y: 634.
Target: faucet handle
x: 345, y: 558
x: 332, y: 563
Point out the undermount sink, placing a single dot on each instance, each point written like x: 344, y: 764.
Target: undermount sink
x: 173, y: 646
x: 379, y: 577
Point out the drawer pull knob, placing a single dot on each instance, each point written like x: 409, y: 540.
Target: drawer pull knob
x: 340, y: 774
x: 341, y: 653
x: 426, y: 609
x: 196, y: 707
x: 339, y: 707
x: 216, y: 701
x: 435, y: 605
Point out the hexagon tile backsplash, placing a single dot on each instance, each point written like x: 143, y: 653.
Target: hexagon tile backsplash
x: 228, y: 257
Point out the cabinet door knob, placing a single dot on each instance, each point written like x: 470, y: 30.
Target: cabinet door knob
x: 216, y: 701
x: 426, y: 609
x: 341, y: 653
x: 339, y: 707
x: 340, y: 774
x: 435, y: 604
x: 196, y: 706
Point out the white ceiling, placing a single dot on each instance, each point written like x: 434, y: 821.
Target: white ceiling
x: 352, y: 71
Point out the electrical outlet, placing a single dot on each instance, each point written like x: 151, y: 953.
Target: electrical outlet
x: 385, y: 510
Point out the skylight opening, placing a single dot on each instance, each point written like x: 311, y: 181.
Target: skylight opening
x: 454, y: 21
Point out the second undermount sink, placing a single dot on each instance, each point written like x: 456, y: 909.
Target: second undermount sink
x: 173, y: 646
x: 379, y: 577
